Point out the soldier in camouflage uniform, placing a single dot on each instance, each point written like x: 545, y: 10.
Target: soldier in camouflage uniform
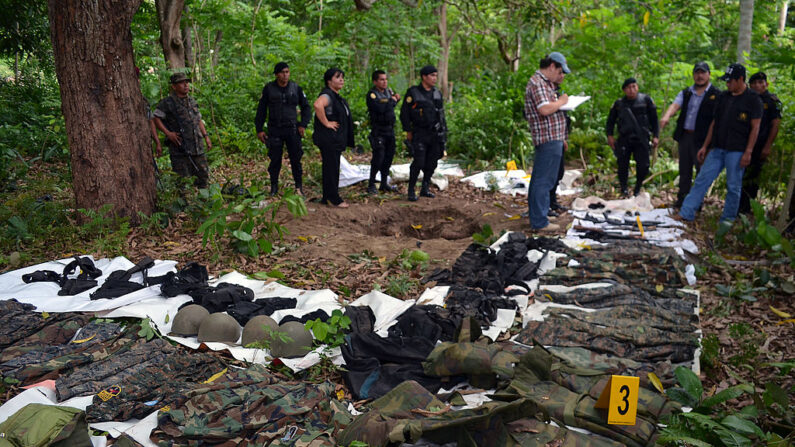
x: 178, y: 117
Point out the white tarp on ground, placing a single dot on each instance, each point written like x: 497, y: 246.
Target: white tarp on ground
x: 641, y: 202
x: 352, y: 174
x: 517, y: 181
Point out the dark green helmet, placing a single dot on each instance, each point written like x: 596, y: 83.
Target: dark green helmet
x: 298, y: 345
x: 219, y: 327
x: 255, y: 329
x: 188, y: 319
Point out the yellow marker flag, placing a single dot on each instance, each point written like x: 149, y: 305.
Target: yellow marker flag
x: 510, y: 166
x: 640, y: 225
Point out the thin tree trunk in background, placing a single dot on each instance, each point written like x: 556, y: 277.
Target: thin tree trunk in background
x: 169, y: 13
x: 782, y: 17
x: 217, y: 47
x: 783, y: 218
x: 187, y: 41
x: 102, y: 104
x: 253, y: 27
x: 746, y: 24
x: 16, y: 57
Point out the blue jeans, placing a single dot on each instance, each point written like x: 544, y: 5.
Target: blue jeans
x: 545, y: 172
x: 716, y: 160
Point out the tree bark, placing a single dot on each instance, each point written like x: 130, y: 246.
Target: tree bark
x: 445, y: 39
x: 746, y: 24
x: 782, y: 17
x: 187, y: 42
x: 169, y: 13
x: 102, y: 104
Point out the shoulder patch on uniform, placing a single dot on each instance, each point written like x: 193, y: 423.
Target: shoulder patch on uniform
x: 764, y: 105
x: 408, y: 99
x: 109, y: 392
x: 372, y: 95
x: 712, y: 97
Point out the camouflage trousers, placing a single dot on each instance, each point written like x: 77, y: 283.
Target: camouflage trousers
x: 616, y: 295
x: 23, y: 329
x: 191, y: 166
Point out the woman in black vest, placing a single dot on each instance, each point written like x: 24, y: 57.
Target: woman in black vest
x: 333, y: 133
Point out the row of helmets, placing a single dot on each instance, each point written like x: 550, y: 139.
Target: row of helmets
x: 289, y: 340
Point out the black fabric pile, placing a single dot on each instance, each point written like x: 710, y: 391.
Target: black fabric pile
x: 242, y: 311
x: 85, y: 279
x: 118, y: 283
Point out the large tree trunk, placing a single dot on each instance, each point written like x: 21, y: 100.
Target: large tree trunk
x: 169, y: 13
x: 746, y: 24
x: 102, y: 105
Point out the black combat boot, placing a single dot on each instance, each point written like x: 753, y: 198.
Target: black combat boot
x: 412, y: 184
x: 412, y: 196
x: 425, y: 191
x: 274, y: 189
x: 371, y: 188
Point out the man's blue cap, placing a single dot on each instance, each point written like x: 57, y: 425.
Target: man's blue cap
x: 557, y: 57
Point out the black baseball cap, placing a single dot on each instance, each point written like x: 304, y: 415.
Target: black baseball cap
x: 628, y: 81
x: 701, y: 66
x: 759, y: 76
x: 735, y: 71
x: 428, y: 69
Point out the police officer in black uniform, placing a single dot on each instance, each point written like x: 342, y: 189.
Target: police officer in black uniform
x: 422, y: 117
x: 278, y: 104
x: 636, y: 116
x: 768, y: 130
x: 381, y: 102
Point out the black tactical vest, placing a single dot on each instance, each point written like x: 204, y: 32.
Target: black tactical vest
x: 704, y: 116
x: 282, y: 104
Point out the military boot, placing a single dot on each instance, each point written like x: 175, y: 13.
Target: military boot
x: 412, y: 196
x: 274, y: 189
x: 371, y: 188
x: 413, y: 175
x: 426, y: 191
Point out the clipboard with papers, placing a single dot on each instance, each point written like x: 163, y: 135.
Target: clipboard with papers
x: 574, y: 102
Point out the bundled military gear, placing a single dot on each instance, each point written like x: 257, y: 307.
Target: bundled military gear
x: 118, y: 283
x: 259, y: 329
x: 85, y: 280
x: 297, y: 342
x: 188, y: 319
x: 45, y: 425
x: 243, y: 311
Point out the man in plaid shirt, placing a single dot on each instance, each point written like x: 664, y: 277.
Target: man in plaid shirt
x: 548, y: 127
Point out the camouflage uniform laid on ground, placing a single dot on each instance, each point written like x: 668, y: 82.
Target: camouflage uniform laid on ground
x: 650, y: 337
x: 614, y: 295
x: 167, y: 383
x: 22, y: 329
x: 252, y: 407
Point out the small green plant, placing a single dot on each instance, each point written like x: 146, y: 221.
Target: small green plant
x: 400, y: 286
x: 271, y: 334
x: 409, y: 260
x: 485, y: 236
x: 749, y: 341
x: 710, y: 352
x: 763, y: 235
x: 249, y: 222
x: 331, y: 332
x: 708, y: 423
x: 147, y: 330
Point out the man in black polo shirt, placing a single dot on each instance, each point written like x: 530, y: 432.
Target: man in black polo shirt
x: 732, y: 136
x: 768, y: 130
x: 698, y: 105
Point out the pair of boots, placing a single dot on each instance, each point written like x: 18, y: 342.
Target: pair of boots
x: 385, y: 187
x: 425, y: 191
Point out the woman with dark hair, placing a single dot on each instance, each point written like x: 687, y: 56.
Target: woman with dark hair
x: 333, y: 133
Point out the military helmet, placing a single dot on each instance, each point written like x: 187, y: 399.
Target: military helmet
x: 219, y: 327
x: 299, y: 344
x: 255, y: 329
x: 188, y: 319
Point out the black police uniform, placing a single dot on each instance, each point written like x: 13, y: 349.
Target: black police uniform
x: 637, y: 121
x: 278, y: 105
x: 332, y: 143
x: 771, y: 110
x: 422, y: 113
x: 381, y: 107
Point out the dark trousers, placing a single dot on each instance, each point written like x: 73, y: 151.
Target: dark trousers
x: 278, y: 137
x: 553, y: 193
x: 687, y: 160
x: 330, y: 157
x: 751, y: 181
x: 383, y: 144
x: 191, y: 166
x: 640, y: 151
x: 427, y: 150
